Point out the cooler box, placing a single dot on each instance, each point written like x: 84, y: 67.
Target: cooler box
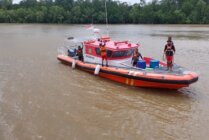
x: 141, y: 64
x: 154, y: 64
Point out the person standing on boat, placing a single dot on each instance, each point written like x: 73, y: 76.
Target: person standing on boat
x: 169, y: 52
x: 80, y: 53
x: 103, y: 52
x: 136, y: 56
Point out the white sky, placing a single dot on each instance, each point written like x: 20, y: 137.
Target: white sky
x: 133, y: 1
x: 128, y: 1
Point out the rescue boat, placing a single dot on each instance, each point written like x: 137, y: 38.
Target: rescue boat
x: 153, y: 75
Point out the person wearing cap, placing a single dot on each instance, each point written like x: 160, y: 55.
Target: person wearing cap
x: 169, y: 52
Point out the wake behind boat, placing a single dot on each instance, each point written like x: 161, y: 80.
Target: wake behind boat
x: 148, y: 72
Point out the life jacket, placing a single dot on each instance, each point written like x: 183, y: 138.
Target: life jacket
x: 169, y: 51
x: 79, y: 52
x: 103, y: 51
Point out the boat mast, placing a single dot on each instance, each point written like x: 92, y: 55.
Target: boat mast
x: 107, y: 30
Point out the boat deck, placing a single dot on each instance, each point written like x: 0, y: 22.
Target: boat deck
x: 176, y: 70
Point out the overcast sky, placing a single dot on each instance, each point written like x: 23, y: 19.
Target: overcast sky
x: 133, y: 1
x: 128, y: 1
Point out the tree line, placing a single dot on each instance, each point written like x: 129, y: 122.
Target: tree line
x: 93, y: 11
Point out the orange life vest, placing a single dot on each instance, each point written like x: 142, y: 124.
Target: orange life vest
x: 103, y: 51
x: 169, y: 51
x: 79, y: 52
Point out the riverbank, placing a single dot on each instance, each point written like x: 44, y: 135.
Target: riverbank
x: 86, y: 12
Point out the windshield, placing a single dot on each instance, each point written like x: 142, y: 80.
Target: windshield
x: 124, y: 53
x: 116, y: 54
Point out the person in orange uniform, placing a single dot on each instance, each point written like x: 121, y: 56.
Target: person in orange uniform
x: 169, y: 52
x: 103, y: 53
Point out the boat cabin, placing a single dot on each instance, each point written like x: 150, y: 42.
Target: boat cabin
x: 117, y: 52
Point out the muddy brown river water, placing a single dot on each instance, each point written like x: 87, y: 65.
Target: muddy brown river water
x: 40, y: 98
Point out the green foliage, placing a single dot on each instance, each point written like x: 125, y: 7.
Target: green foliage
x: 93, y: 11
x: 6, y: 4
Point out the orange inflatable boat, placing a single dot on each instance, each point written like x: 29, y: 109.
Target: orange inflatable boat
x: 154, y: 78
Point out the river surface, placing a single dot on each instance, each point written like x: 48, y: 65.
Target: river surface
x: 40, y: 98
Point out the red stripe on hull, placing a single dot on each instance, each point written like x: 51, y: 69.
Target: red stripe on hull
x: 140, y: 83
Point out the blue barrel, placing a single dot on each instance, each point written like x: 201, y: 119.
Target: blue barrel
x: 141, y: 64
x: 154, y: 64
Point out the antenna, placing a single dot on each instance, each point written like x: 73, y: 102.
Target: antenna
x: 107, y: 30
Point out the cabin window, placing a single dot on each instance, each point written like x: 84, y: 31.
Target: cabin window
x: 119, y: 54
x: 129, y: 52
x: 109, y: 53
x: 89, y: 50
x: 97, y: 51
x: 123, y: 53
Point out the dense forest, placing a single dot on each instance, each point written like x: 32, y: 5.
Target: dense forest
x: 93, y: 11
